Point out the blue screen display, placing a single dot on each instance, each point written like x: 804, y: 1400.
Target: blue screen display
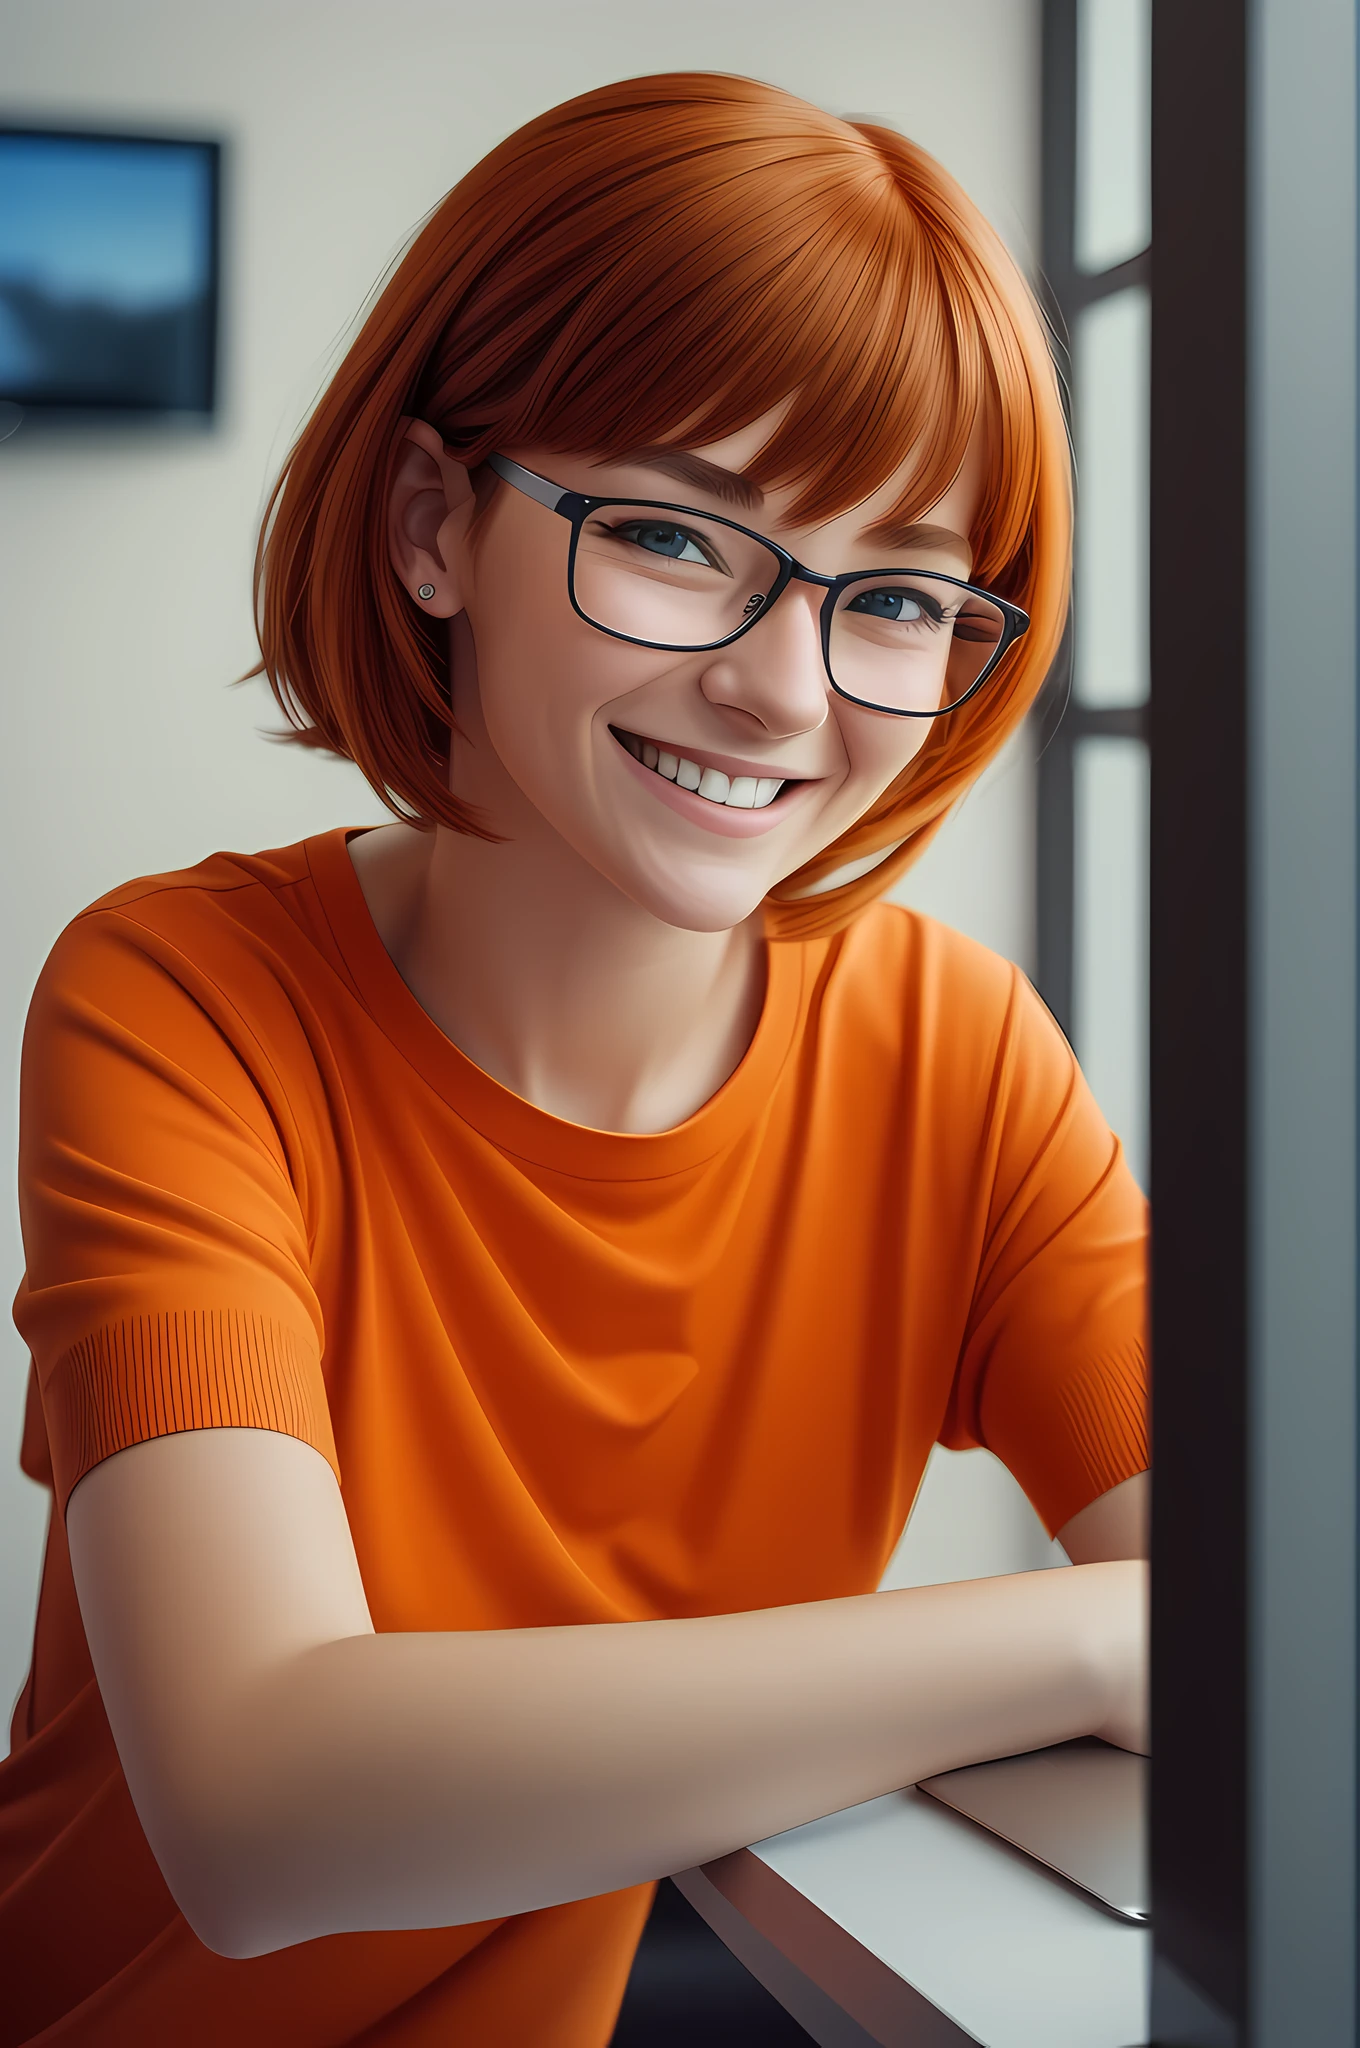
x: 107, y: 286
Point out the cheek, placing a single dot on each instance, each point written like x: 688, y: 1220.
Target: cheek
x: 531, y: 675
x: 543, y: 676
x: 878, y: 749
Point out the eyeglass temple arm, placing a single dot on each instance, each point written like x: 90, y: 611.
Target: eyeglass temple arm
x: 536, y: 487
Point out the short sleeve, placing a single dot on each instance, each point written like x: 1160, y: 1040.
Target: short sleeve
x: 1053, y: 1375
x: 166, y: 1251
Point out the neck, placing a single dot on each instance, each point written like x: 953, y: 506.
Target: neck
x: 558, y: 985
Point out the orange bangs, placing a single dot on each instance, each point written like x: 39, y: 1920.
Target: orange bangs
x: 664, y: 258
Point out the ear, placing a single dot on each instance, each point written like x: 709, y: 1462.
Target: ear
x: 429, y: 508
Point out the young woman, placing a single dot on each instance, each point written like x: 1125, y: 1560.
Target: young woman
x: 578, y: 1203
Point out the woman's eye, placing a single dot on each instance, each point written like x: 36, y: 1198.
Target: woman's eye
x: 906, y: 606
x: 676, y: 543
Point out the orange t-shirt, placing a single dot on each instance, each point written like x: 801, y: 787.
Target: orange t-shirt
x: 564, y: 1375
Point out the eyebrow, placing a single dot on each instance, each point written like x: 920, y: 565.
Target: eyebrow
x: 890, y: 534
x: 726, y: 484
x: 735, y: 489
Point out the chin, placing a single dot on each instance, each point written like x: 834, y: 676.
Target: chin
x: 696, y: 903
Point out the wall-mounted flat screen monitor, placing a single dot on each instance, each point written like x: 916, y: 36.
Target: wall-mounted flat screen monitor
x: 108, y: 273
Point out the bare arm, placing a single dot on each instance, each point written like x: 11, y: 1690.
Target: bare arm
x: 298, y: 1775
x: 1115, y: 1525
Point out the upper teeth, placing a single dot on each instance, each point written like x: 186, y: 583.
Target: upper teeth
x: 738, y: 792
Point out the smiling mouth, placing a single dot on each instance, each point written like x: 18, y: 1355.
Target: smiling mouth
x: 732, y: 792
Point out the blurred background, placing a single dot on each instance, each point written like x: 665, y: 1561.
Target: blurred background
x: 154, y: 368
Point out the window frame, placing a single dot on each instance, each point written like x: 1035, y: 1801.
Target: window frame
x: 1062, y: 722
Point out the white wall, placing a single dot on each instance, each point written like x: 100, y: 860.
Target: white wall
x: 126, y: 555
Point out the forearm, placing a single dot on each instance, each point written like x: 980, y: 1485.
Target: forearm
x: 402, y: 1781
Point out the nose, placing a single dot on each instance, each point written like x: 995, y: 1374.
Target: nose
x: 774, y: 678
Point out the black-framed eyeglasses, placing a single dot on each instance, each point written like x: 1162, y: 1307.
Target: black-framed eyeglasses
x: 909, y: 642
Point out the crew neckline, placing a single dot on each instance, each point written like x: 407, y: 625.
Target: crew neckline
x: 512, y: 1123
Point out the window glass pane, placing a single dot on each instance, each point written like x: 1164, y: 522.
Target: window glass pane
x: 1110, y: 421
x: 1110, y: 964
x: 1114, y: 59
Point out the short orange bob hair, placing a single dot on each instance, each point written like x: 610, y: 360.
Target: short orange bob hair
x: 678, y: 252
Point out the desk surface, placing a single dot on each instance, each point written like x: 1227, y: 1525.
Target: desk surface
x: 901, y: 1923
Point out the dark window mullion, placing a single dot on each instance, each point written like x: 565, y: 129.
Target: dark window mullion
x: 1106, y: 721
x: 1087, y: 288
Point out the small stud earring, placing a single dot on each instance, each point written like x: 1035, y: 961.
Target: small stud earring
x: 426, y: 590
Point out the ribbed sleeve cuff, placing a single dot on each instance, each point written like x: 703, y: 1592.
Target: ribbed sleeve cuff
x: 1104, y: 1407
x: 190, y: 1369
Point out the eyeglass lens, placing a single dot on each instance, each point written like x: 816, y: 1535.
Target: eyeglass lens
x: 902, y: 641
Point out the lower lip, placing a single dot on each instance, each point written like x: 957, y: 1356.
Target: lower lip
x: 719, y: 818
